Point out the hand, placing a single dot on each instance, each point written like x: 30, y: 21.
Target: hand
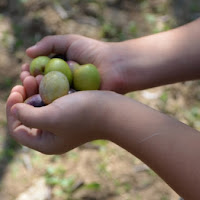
x: 85, y: 50
x: 60, y: 126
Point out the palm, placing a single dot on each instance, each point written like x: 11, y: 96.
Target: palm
x: 85, y: 50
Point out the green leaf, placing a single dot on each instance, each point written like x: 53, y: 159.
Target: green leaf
x: 93, y: 186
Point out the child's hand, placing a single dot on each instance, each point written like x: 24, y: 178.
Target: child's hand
x: 85, y: 50
x: 30, y: 83
x: 60, y: 126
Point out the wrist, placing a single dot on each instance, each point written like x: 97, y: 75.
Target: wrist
x: 116, y: 114
x: 144, y: 66
x: 96, y: 114
x: 105, y: 106
x: 135, y: 64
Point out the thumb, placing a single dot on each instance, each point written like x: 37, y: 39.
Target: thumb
x: 57, y: 44
x: 34, y: 117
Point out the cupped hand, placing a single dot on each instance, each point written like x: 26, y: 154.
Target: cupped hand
x: 105, y: 56
x: 60, y: 126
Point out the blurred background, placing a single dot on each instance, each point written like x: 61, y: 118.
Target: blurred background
x: 99, y: 170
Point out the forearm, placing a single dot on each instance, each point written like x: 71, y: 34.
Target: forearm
x: 169, y: 147
x: 162, y: 58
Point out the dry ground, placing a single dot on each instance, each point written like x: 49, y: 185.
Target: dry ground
x: 101, y: 169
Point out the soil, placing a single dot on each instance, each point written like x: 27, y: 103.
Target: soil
x: 111, y: 172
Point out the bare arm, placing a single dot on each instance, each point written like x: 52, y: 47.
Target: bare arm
x: 168, y: 146
x: 162, y: 58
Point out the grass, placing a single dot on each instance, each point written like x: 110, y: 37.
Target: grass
x: 195, y: 6
x: 132, y: 29
x: 64, y: 185
x: 164, y: 197
x: 193, y: 116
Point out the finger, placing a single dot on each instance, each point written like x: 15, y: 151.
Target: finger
x: 35, y: 139
x: 19, y: 89
x: 25, y: 67
x: 23, y: 75
x: 30, y: 85
x: 14, y: 98
x: 38, y: 79
x: 57, y: 44
x: 41, y: 118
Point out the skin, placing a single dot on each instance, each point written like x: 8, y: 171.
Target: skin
x: 165, y: 144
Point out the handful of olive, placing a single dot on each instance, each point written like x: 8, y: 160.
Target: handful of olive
x: 61, y: 78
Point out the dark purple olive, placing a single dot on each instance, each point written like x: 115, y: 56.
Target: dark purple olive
x: 71, y: 91
x: 35, y: 101
x: 61, y: 56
